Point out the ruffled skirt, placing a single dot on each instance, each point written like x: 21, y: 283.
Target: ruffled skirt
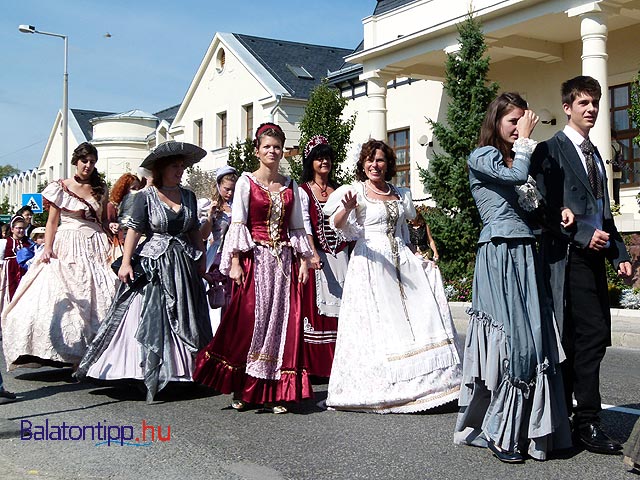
x: 59, y: 306
x: 512, y: 392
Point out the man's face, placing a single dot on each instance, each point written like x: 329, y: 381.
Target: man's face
x: 582, y: 112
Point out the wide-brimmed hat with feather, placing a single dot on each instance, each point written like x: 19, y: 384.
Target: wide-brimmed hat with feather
x: 189, y: 152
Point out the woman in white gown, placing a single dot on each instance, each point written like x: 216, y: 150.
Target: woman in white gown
x: 64, y: 296
x: 397, y: 349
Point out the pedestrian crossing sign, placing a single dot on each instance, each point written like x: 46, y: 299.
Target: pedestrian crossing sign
x: 33, y: 200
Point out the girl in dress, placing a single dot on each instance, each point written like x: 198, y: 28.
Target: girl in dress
x: 62, y: 300
x: 11, y: 272
x: 257, y: 352
x: 512, y: 398
x: 322, y: 293
x: 396, y: 350
x: 124, y: 185
x: 159, y: 318
x: 213, y: 230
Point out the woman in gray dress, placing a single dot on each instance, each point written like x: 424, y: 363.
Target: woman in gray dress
x: 511, y: 398
x: 160, y: 317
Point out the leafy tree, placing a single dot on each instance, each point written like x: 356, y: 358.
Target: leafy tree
x: 323, y: 116
x: 634, y: 109
x: 242, y: 156
x: 5, y: 206
x: 41, y: 218
x: 8, y: 170
x: 456, y: 223
x: 201, y: 182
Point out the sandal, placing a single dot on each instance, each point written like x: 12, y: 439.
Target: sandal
x: 277, y: 409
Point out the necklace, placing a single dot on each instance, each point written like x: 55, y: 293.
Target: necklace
x: 170, y: 189
x: 323, y: 191
x: 370, y: 186
x: 81, y: 181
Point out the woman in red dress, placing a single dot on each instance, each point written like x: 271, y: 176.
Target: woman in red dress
x: 322, y: 293
x: 257, y: 351
x: 10, y: 271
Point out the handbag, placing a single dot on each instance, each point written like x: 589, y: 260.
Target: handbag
x: 216, y: 295
x: 138, y: 272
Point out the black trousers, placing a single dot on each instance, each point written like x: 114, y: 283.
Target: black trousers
x: 587, y: 332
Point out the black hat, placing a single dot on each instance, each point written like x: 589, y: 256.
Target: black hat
x: 189, y: 152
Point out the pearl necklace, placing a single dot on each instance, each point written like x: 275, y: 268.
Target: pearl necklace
x: 370, y: 186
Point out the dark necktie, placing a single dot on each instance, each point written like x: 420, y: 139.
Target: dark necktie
x: 592, y: 170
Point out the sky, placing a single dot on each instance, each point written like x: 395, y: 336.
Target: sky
x: 147, y: 63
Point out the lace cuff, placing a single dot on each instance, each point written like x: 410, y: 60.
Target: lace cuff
x: 237, y: 239
x: 528, y: 195
x: 526, y: 146
x: 351, y: 230
x: 300, y: 242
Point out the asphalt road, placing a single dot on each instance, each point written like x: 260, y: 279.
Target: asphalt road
x: 208, y: 440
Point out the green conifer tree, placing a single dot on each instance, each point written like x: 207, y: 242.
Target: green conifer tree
x: 455, y: 222
x: 323, y: 116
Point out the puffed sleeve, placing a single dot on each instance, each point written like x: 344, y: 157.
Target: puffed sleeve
x: 487, y: 165
x: 306, y: 217
x: 352, y: 230
x: 53, y: 194
x: 238, y: 238
x: 136, y: 214
x: 297, y: 232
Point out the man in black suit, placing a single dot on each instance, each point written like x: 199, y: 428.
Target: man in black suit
x: 570, y: 174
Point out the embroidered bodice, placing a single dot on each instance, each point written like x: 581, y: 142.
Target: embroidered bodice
x: 161, y: 224
x: 269, y: 212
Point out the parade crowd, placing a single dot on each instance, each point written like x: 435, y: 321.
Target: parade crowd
x: 269, y: 286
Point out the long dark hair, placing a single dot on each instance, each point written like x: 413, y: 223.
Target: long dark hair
x: 490, y: 130
x: 324, y: 150
x: 98, y: 187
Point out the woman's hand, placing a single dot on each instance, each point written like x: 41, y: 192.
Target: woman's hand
x: 125, y: 273
x: 315, y: 262
x: 303, y: 272
x: 568, y: 218
x: 350, y: 201
x: 235, y: 272
x: 47, y: 254
x: 527, y: 123
x: 114, y: 227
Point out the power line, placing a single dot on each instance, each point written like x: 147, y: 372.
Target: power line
x: 21, y: 149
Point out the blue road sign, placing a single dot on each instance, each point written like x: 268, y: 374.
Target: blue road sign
x: 34, y: 200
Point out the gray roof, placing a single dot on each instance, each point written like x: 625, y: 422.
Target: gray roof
x: 168, y: 114
x: 83, y: 117
x: 385, y: 6
x: 281, y: 57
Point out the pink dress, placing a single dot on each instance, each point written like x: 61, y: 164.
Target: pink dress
x: 257, y: 352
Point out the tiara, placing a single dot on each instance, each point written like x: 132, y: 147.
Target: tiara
x: 314, y: 142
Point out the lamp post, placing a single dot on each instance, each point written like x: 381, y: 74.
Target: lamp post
x: 65, y: 94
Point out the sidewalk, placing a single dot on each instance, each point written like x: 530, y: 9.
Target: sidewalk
x: 625, y: 324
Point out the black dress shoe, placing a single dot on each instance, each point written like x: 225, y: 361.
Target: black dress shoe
x: 593, y: 438
x: 503, y: 456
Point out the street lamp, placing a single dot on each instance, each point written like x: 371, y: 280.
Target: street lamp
x: 65, y: 93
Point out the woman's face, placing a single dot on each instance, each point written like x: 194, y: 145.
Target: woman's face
x: 322, y: 166
x: 375, y: 167
x: 28, y: 216
x: 509, y: 125
x: 270, y: 151
x: 85, y: 166
x: 172, y: 173
x: 226, y: 189
x: 17, y: 230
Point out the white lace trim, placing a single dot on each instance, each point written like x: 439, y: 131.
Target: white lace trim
x: 525, y: 146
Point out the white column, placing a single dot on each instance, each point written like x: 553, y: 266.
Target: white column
x: 377, y: 107
x: 593, y: 30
